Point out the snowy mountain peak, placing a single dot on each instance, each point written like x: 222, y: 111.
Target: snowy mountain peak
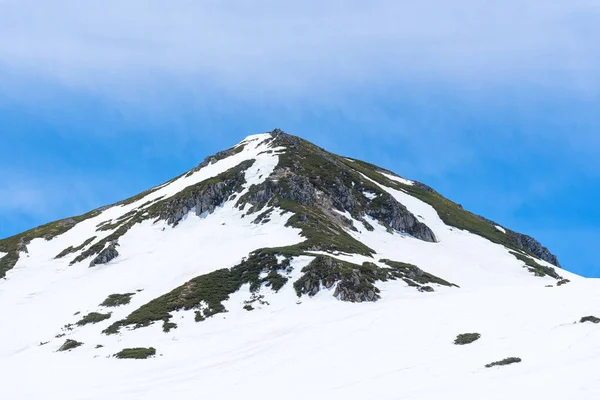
x: 337, y: 205
x: 272, y: 225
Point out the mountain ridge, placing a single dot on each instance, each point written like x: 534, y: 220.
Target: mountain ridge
x: 333, y: 203
x: 16, y: 244
x: 47, y: 231
x: 278, y: 267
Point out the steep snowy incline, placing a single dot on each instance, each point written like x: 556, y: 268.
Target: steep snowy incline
x: 95, y: 226
x: 254, y: 147
x: 44, y: 293
x: 459, y: 256
x: 400, y: 347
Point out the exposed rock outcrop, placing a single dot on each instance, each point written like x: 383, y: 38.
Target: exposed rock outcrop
x: 204, y: 197
x: 321, y: 272
x: 354, y: 283
x: 205, y: 200
x: 70, y: 344
x: 527, y: 243
x: 106, y: 255
x: 310, y: 176
x: 356, y: 288
x: 387, y: 209
x: 218, y: 156
x: 357, y: 283
x: 533, y: 246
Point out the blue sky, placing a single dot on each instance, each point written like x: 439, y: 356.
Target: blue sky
x: 494, y: 105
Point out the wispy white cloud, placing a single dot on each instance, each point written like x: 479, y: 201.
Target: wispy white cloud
x: 300, y: 47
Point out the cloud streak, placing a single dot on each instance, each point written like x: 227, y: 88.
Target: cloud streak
x: 303, y: 46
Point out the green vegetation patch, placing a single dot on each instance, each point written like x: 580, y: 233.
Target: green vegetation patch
x: 71, y: 249
x: 198, y: 316
x: 93, y: 318
x: 534, y: 267
x: 357, y: 281
x: 17, y: 244
x: 70, y: 344
x: 116, y: 300
x: 207, y: 293
x: 412, y: 275
x: 321, y: 233
x: 318, y: 228
x: 96, y: 248
x: 466, y: 338
x: 109, y: 226
x: 138, y: 353
x: 311, y: 183
x: 451, y: 213
x: 211, y: 289
x: 167, y: 326
x: 506, y: 361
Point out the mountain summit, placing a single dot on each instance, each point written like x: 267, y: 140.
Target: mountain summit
x: 271, y: 239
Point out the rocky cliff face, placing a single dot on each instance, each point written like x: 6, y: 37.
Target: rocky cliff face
x: 312, y: 177
x: 353, y: 283
x: 202, y: 198
x: 528, y: 244
x: 533, y: 246
x: 106, y: 255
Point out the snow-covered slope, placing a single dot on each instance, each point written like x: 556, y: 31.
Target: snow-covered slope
x: 278, y: 270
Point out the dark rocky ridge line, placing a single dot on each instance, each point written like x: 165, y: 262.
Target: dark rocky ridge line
x: 534, y: 247
x: 218, y: 156
x: 537, y: 269
x: 455, y: 215
x: 17, y: 244
x: 527, y: 243
x: 332, y: 186
x: 313, y: 177
x: 308, y: 181
x: 201, y: 197
x: 316, y: 187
